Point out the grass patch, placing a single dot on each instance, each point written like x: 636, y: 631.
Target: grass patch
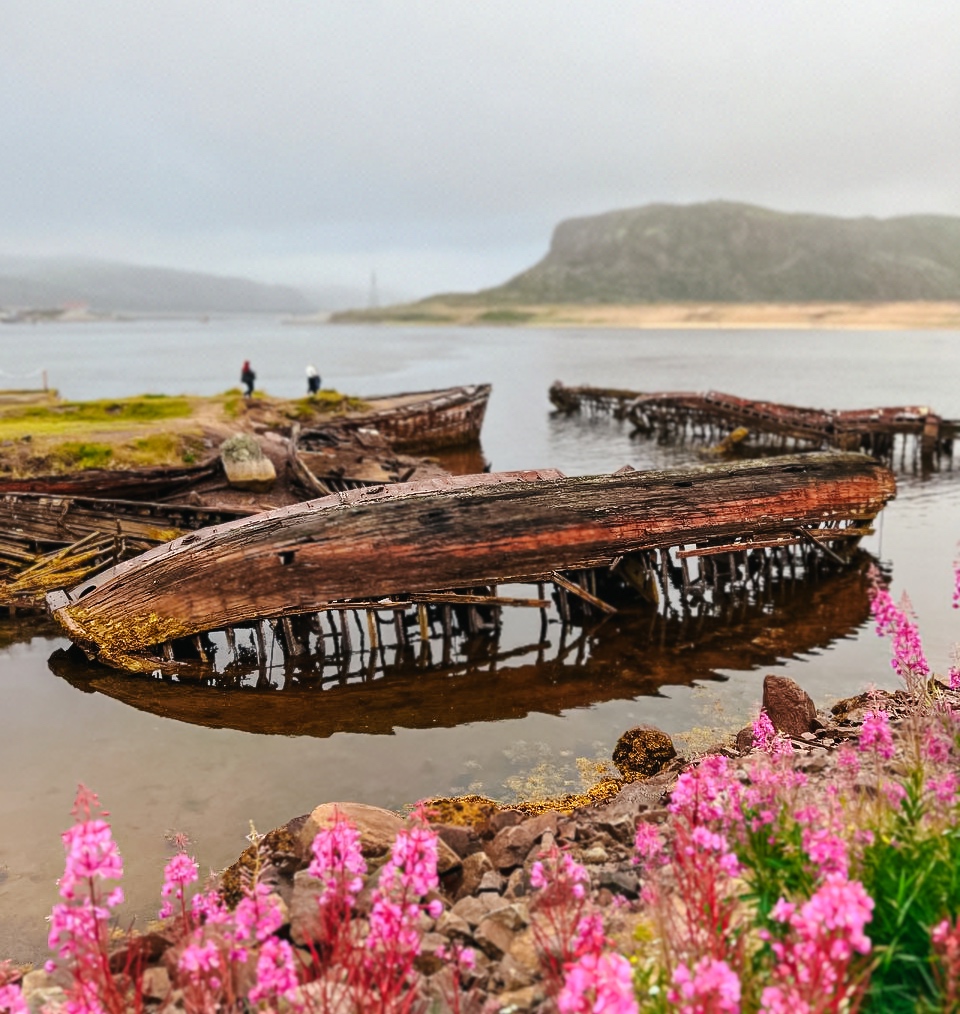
x: 74, y: 455
x: 74, y: 416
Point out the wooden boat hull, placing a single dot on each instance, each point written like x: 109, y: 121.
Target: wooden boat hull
x: 126, y: 484
x: 457, y: 532
x: 424, y: 421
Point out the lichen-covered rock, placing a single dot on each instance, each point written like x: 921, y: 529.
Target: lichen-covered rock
x: 245, y: 464
x: 642, y: 751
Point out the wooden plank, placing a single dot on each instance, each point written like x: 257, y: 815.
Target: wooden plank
x: 581, y: 592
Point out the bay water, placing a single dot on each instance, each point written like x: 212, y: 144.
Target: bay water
x: 523, y: 720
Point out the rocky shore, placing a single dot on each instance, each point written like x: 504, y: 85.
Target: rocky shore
x: 486, y: 853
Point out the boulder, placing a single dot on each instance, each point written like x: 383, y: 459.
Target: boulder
x: 511, y: 846
x: 378, y: 828
x: 475, y: 867
x: 245, y: 464
x: 789, y: 707
x: 642, y: 751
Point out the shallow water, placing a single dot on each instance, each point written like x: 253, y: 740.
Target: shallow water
x: 505, y: 718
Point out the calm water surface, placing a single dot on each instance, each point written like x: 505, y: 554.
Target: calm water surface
x: 509, y: 719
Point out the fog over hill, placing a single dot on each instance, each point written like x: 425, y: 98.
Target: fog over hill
x: 726, y: 252
x: 107, y: 287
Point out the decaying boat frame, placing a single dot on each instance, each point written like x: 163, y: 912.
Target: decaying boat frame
x: 710, y: 416
x: 419, y: 422
x: 47, y: 540
x: 450, y: 542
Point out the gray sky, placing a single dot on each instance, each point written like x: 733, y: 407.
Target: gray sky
x: 439, y: 141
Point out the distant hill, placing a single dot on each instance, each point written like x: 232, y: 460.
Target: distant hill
x: 726, y: 252
x: 108, y: 287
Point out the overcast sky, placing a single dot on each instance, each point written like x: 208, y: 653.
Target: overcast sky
x: 438, y: 142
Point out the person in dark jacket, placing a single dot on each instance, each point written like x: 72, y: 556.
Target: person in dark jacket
x: 247, y: 378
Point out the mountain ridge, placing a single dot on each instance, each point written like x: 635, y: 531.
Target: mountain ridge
x: 109, y: 287
x: 722, y: 251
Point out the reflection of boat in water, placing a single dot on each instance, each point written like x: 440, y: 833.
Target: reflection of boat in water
x: 631, y: 655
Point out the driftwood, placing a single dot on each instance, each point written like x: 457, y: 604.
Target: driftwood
x: 872, y: 429
x: 458, y: 533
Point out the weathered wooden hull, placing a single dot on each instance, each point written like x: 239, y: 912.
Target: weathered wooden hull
x: 421, y: 422
x: 454, y: 533
x: 126, y: 484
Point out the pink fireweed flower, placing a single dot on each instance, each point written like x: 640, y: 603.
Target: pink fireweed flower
x: 598, y: 984
x: 91, y: 854
x: 567, y: 873
x: 712, y: 987
x: 944, y: 790
x: 763, y: 731
x: 276, y: 971
x: 848, y: 761
x: 814, y: 959
x: 12, y: 1001
x: 875, y: 734
x: 338, y: 861
x: 706, y: 793
x: 936, y: 746
x: 415, y: 854
x: 258, y: 915
x: 908, y: 660
x: 894, y: 793
x: 198, y: 960
x: 956, y: 583
x: 409, y: 874
x: 648, y: 842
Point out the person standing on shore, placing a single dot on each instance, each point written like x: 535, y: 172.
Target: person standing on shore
x: 247, y: 378
x: 313, y: 381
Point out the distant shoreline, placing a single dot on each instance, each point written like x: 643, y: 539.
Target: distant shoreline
x: 916, y: 315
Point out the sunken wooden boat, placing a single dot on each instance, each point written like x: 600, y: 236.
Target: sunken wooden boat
x: 711, y: 414
x: 406, y: 545
x: 417, y: 422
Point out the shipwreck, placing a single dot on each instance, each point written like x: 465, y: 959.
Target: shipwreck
x: 916, y: 431
x: 438, y: 549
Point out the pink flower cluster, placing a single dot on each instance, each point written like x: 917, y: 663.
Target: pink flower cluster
x: 180, y: 871
x: 585, y: 976
x: 875, y: 734
x: 710, y: 987
x: 813, y: 971
x: 908, y: 661
x: 598, y: 983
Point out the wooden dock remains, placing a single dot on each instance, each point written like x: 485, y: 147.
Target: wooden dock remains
x: 436, y: 552
x: 916, y: 430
